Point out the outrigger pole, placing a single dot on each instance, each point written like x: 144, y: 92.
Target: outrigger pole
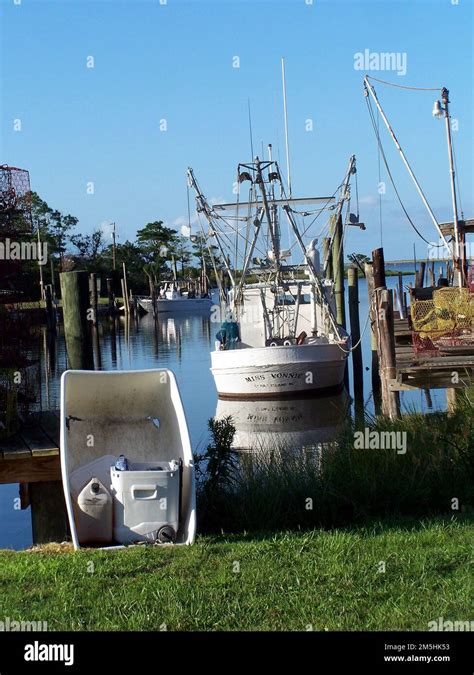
x: 369, y: 89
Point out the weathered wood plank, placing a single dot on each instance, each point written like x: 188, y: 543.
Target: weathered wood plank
x: 14, y: 448
x: 30, y: 469
x: 49, y: 422
x: 39, y: 443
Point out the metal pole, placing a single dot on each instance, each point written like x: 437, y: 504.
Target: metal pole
x: 445, y: 99
x: 286, y: 125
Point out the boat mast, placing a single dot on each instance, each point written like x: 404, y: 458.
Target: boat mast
x: 288, y: 168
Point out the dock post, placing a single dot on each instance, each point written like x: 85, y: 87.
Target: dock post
x: 75, y: 297
x: 379, y: 268
x: 401, y: 297
x: 95, y: 323
x: 357, y: 366
x: 369, y: 275
x: 386, y: 345
x: 420, y: 276
x: 338, y: 269
x: 48, y: 512
x: 327, y: 261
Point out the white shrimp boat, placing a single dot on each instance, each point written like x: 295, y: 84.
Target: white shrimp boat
x: 138, y: 414
x: 174, y: 302
x: 279, y: 334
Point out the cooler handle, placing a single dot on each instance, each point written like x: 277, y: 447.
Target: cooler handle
x: 147, y: 491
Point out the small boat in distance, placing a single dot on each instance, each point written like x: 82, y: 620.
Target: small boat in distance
x: 173, y: 300
x: 137, y: 414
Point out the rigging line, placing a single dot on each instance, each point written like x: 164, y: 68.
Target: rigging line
x: 403, y: 86
x: 393, y: 182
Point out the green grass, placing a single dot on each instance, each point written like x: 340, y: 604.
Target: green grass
x: 329, y: 580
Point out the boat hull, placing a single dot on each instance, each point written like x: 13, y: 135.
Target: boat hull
x: 279, y: 371
x: 183, y: 306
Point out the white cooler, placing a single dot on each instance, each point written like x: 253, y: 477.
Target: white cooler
x: 146, y: 502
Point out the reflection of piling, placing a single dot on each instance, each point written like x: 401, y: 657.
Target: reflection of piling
x: 50, y: 310
x: 94, y: 300
x: 113, y: 342
x: 357, y: 366
x: 111, y: 297
x: 75, y: 297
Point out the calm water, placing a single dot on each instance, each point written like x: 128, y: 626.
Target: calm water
x: 183, y: 345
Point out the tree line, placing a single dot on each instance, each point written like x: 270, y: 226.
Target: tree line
x: 157, y: 253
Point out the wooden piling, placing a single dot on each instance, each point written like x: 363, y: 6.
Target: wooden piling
x: 401, y: 297
x: 420, y: 275
x: 379, y: 268
x: 75, y: 298
x: 386, y: 345
x: 327, y: 260
x: 357, y: 366
x: 369, y: 275
x: 48, y: 512
x: 338, y: 270
x: 94, y: 302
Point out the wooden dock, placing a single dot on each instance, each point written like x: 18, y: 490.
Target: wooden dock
x: 32, y: 454
x: 424, y: 371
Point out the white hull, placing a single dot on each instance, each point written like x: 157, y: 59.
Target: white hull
x: 181, y: 306
x: 261, y: 372
x: 119, y: 411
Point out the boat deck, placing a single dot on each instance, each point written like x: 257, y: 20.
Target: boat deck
x: 32, y: 454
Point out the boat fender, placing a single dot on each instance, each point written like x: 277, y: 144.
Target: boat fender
x: 288, y: 342
x: 274, y: 342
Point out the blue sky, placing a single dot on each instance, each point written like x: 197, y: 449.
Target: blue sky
x: 174, y: 62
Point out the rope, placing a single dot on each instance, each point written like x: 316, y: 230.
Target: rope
x: 403, y: 86
x: 371, y: 113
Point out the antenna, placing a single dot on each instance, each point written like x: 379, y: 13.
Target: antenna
x: 286, y: 125
x: 250, y: 130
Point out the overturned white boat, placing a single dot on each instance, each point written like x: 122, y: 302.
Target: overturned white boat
x: 279, y: 333
x: 138, y: 415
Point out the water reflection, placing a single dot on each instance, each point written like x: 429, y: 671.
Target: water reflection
x: 293, y: 423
